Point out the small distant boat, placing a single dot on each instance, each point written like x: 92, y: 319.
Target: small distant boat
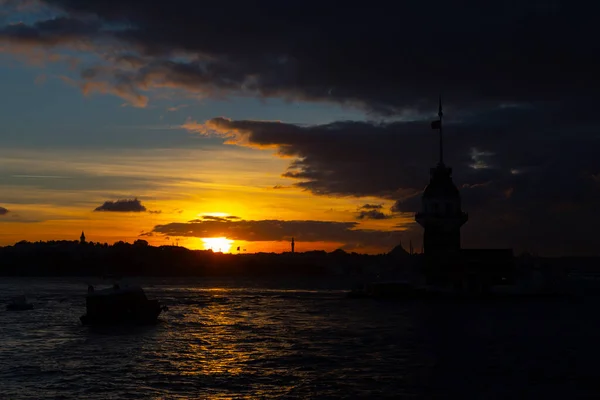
x: 115, y: 305
x: 19, y: 303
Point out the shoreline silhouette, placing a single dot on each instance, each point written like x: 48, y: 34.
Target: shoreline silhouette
x: 72, y: 258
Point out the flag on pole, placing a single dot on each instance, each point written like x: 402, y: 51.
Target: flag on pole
x: 438, y: 124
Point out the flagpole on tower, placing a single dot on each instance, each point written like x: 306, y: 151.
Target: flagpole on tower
x: 437, y: 124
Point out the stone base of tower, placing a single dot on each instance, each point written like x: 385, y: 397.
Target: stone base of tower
x: 471, y: 270
x: 446, y: 271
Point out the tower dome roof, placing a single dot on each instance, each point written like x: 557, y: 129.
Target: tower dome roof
x: 440, y: 184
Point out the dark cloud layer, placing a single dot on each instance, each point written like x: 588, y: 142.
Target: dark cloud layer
x: 387, y: 57
x: 372, y: 211
x: 3, y: 211
x: 372, y: 214
x: 528, y: 181
x: 371, y: 207
x: 276, y: 230
x: 125, y: 205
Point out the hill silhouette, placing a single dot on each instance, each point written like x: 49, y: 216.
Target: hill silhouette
x: 72, y: 258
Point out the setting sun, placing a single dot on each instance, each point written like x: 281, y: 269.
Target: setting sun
x: 218, y: 244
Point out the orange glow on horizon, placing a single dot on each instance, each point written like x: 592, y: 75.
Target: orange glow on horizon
x: 245, y: 190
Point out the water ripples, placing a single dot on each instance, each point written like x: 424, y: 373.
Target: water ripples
x: 219, y: 341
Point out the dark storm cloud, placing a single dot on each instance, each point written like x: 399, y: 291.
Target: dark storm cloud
x: 125, y: 205
x: 3, y: 211
x: 372, y: 214
x: 372, y: 207
x: 511, y: 146
x: 372, y: 211
x: 276, y: 230
x: 387, y: 58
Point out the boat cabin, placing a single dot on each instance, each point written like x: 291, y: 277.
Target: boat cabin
x: 120, y: 304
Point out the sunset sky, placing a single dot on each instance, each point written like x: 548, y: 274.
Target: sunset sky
x: 262, y: 121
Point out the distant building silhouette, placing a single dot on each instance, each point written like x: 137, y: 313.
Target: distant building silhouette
x: 82, y: 238
x: 399, y: 252
x: 442, y: 217
x: 293, y: 245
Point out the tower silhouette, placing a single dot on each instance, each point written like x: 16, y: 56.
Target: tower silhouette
x: 293, y: 245
x: 82, y: 238
x: 441, y: 214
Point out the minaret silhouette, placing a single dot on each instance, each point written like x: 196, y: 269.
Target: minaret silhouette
x: 293, y: 245
x: 441, y: 214
x: 82, y: 238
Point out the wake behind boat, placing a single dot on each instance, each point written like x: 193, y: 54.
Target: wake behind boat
x: 115, y: 305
